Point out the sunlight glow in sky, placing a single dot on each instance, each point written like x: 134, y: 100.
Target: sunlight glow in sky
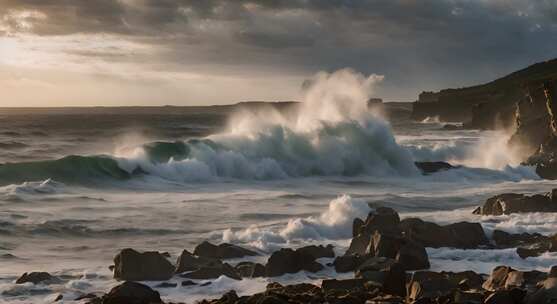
x: 189, y: 52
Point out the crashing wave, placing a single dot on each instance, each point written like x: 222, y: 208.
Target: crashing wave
x: 333, y: 224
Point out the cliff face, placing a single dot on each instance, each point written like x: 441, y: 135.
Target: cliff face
x: 487, y: 106
x: 537, y: 124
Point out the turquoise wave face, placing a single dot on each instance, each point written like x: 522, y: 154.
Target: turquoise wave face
x: 69, y: 169
x: 340, y: 149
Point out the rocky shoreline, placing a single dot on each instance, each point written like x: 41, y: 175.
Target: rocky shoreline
x: 387, y: 257
x: 523, y: 103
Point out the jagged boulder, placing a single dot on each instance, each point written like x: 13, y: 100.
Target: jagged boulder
x: 508, y: 203
x: 498, y: 278
x: 382, y: 219
x: 318, y: 251
x: 466, y: 280
x: 458, y: 235
x: 512, y: 296
x: 222, y: 251
x: 132, y: 293
x: 359, y: 244
x: 547, y: 293
x: 250, y: 269
x: 504, y: 239
x: 347, y: 263
x: 36, y: 278
x: 131, y: 265
x: 189, y: 262
x: 384, y: 273
x: 348, y: 284
x: 412, y: 256
x: 430, y: 286
x: 433, y: 167
x: 212, y: 272
x: 287, y: 260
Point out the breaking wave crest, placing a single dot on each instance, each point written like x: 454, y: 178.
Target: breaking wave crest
x: 331, y: 133
x: 335, y: 223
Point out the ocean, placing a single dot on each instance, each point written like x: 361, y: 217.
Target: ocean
x: 79, y: 184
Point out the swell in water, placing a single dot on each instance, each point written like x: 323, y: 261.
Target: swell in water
x: 332, y: 134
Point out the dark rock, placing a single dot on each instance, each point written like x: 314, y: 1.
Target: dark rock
x: 36, y: 278
x: 205, y: 284
x: 382, y: 219
x: 59, y: 298
x: 458, y: 235
x: 524, y: 279
x: 433, y: 167
x: 87, y: 296
x: 131, y: 265
x: 468, y: 297
x: 538, y: 246
x: 385, y: 244
x: 376, y: 264
x: 427, y: 286
x: 412, y: 256
x: 497, y: 279
x: 359, y: 244
x: 506, y: 240
x: 467, y: 235
x: 517, y: 203
x: 131, y: 293
x: 188, y: 283
x: 167, y: 285
x: 222, y: 251
x: 290, y: 261
x: 357, y: 226
x: 228, y: 298
x: 547, y: 293
x: 250, y: 270
x: 385, y: 272
x: 213, y: 272
x: 271, y: 299
x: 450, y: 127
x: 189, y: 262
x: 318, y: 251
x: 466, y: 280
x: 349, y: 263
x: 513, y: 296
x: 349, y: 284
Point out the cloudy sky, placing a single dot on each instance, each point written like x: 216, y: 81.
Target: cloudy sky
x: 195, y: 52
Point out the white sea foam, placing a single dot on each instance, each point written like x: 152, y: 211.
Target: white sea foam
x: 484, y: 260
x: 331, y: 133
x: 23, y: 191
x: 333, y: 224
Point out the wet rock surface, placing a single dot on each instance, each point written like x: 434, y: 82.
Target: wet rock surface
x: 222, y: 251
x: 287, y: 260
x: 509, y: 203
x: 131, y: 293
x: 387, y: 258
x: 37, y: 278
x: 433, y: 167
x: 131, y: 265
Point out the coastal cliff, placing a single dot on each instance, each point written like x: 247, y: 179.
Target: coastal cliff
x: 487, y: 106
x: 524, y: 102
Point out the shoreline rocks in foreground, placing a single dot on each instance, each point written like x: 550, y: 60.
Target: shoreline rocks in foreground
x: 387, y: 256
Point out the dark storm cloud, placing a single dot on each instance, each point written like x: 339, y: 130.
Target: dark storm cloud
x: 416, y: 44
